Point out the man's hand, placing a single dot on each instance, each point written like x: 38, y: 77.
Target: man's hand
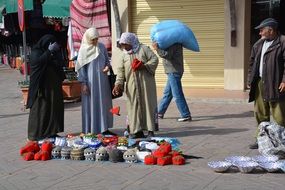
x: 84, y: 89
x: 117, y: 90
x: 282, y: 87
x: 154, y: 45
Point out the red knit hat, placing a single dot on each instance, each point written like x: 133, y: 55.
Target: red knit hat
x: 178, y: 160
x: 166, y: 160
x: 150, y: 160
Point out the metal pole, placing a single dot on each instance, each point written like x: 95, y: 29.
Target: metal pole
x: 25, y: 54
x: 117, y: 20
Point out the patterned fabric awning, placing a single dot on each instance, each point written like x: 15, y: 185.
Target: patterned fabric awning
x: 85, y: 14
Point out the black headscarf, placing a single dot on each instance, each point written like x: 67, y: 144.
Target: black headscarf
x: 40, y: 58
x: 44, y: 42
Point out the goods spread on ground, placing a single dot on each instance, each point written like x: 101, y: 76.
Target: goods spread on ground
x: 99, y: 148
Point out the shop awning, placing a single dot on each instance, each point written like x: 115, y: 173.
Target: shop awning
x: 56, y: 8
x: 1, y: 9
x: 12, y: 5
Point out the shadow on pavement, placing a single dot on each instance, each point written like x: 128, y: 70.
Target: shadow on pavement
x: 69, y: 105
x: 225, y: 116
x: 184, y: 132
x: 13, y: 115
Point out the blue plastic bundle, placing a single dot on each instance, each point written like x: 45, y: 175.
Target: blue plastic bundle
x: 169, y: 32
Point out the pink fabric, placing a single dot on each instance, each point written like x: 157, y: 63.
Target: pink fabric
x: 86, y: 14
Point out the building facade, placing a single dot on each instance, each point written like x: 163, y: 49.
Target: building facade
x: 223, y: 28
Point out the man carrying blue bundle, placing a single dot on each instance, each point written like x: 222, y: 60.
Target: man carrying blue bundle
x: 174, y: 68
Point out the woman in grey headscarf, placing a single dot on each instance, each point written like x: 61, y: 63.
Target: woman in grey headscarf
x: 93, y: 65
x: 137, y: 69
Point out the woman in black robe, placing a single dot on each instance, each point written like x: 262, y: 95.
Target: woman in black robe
x: 45, y: 98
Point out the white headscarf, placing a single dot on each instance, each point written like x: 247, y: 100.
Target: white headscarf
x: 87, y: 51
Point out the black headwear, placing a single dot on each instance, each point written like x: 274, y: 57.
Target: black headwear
x: 39, y: 59
x: 44, y: 42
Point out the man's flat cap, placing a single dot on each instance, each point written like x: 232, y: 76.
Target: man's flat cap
x: 267, y: 22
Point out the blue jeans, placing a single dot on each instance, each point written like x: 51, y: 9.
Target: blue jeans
x: 173, y: 89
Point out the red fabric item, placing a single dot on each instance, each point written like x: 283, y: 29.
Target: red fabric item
x: 150, y: 160
x: 174, y: 153
x: 160, y: 152
x: 166, y: 160
x: 178, y: 160
x: 45, y: 152
x: 46, y: 146
x: 30, y: 147
x: 42, y: 155
x: 166, y: 146
x: 38, y: 156
x: 28, y: 156
x: 136, y: 64
x: 45, y: 156
x: 112, y: 140
x: 115, y: 110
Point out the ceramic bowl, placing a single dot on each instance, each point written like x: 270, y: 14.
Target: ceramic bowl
x: 219, y: 166
x: 234, y: 159
x: 265, y: 158
x: 270, y: 166
x: 246, y: 166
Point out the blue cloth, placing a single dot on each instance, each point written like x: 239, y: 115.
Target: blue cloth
x: 96, y: 117
x: 173, y: 89
x: 175, y: 143
x: 169, y: 32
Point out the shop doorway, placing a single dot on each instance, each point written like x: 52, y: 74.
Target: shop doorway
x: 262, y: 9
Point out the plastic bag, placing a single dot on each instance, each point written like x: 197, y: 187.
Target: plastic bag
x: 169, y: 32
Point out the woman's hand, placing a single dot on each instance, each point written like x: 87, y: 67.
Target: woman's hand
x: 117, y: 90
x: 106, y: 69
x: 85, y: 89
x: 282, y: 87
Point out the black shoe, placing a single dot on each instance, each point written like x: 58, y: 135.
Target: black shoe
x: 107, y: 132
x: 150, y: 134
x: 137, y: 135
x: 54, y: 136
x: 140, y: 134
x: 253, y: 145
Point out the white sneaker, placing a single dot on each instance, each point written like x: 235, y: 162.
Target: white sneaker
x: 182, y: 119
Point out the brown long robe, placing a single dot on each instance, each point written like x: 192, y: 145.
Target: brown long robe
x: 140, y: 89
